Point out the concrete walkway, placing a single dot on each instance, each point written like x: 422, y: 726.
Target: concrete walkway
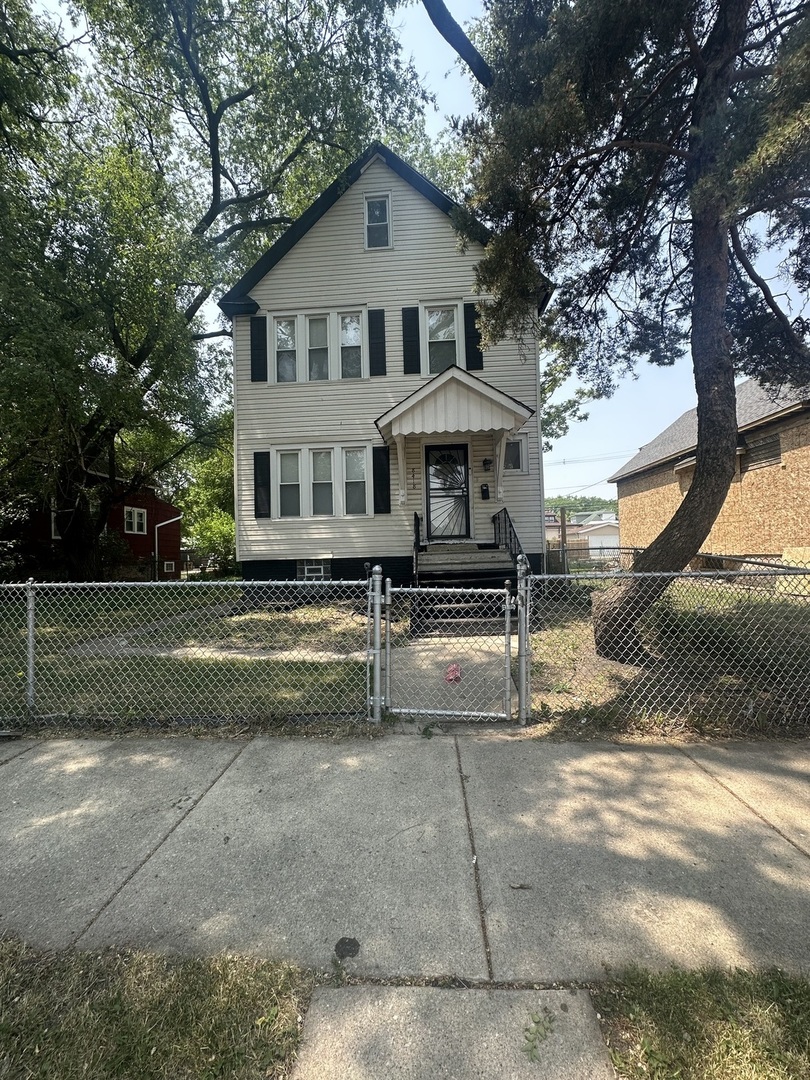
x: 485, y: 860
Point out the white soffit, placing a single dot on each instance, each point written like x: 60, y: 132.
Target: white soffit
x: 453, y: 401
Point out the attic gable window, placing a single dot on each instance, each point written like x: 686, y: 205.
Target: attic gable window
x: 378, y: 221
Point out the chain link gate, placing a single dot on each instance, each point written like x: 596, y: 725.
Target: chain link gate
x: 449, y: 653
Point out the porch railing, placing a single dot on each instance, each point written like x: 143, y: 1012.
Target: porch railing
x: 417, y: 543
x: 506, y: 535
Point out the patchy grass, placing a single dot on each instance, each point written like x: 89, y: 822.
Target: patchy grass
x: 73, y: 1015
x: 707, y: 1025
x: 161, y: 658
x: 723, y: 660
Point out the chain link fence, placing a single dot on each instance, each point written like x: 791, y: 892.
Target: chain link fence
x: 117, y: 655
x: 723, y: 653
x: 448, y: 653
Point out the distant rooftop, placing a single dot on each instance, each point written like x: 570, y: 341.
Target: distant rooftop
x: 756, y: 405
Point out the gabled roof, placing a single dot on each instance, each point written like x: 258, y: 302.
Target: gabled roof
x: 756, y: 406
x: 454, y: 400
x: 237, y: 300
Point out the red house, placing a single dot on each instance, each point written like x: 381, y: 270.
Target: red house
x: 148, y: 525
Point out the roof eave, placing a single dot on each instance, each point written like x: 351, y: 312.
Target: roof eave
x: 796, y: 407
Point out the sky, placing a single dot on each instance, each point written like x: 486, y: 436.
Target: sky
x: 642, y: 407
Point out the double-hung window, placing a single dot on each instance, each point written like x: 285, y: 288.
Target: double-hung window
x: 441, y: 333
x: 351, y: 346
x: 134, y: 520
x: 289, y: 484
x: 320, y: 347
x: 323, y: 504
x: 286, y: 352
x: 378, y: 221
x: 322, y: 482
x: 354, y: 479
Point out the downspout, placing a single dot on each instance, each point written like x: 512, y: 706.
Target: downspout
x: 160, y: 524
x: 543, y: 546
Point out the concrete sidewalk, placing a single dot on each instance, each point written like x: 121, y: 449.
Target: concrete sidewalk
x: 487, y: 859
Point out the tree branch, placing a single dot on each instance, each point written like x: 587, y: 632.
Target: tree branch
x: 458, y: 40
x: 249, y: 226
x: 799, y: 346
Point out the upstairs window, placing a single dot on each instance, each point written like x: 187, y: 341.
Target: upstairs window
x: 442, y: 338
x: 318, y: 333
x: 134, y: 520
x: 351, y: 347
x: 286, y: 365
x: 378, y: 221
x: 326, y: 346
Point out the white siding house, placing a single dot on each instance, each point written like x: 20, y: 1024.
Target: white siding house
x: 362, y: 398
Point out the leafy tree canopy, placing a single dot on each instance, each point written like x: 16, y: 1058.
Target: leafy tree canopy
x: 651, y: 160
x: 146, y: 161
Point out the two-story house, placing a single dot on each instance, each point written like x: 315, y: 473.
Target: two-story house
x: 367, y: 416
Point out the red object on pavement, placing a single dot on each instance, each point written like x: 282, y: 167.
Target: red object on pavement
x: 453, y: 674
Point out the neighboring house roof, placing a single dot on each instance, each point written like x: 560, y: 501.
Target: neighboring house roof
x: 756, y: 405
x: 598, y: 526
x: 237, y: 300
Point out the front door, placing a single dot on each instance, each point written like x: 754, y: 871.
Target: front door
x: 447, y: 474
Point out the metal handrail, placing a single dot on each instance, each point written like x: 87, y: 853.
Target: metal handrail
x: 417, y: 543
x: 506, y: 535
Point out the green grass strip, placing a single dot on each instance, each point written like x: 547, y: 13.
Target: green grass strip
x: 707, y: 1025
x: 137, y: 1015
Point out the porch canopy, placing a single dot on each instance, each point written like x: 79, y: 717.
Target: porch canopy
x: 454, y: 401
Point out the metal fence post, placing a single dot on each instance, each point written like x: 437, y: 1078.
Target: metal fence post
x: 376, y: 604
x: 30, y: 684
x: 387, y: 694
x: 523, y: 638
x: 507, y: 681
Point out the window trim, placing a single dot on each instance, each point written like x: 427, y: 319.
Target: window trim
x: 333, y: 344
x: 135, y: 510
x: 424, y: 345
x: 168, y: 566
x: 370, y: 196
x: 305, y: 481
x: 522, y: 438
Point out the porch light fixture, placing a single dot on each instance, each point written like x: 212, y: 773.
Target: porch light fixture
x: 487, y: 464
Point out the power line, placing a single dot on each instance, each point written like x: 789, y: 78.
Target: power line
x: 577, y: 490
x: 582, y: 460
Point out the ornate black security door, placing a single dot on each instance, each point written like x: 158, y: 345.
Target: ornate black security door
x: 448, y: 492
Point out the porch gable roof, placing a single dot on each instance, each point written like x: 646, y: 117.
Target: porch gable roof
x: 453, y: 401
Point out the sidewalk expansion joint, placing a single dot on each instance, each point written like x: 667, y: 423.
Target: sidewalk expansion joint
x: 153, y: 851
x: 747, y: 805
x: 17, y: 756
x: 476, y: 875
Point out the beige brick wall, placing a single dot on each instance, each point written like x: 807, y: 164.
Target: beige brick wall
x: 766, y: 510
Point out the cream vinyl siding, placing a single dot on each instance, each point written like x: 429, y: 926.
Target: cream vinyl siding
x: 331, y: 270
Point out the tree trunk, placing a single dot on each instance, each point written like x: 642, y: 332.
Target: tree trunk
x: 616, y: 612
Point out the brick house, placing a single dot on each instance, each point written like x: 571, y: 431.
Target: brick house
x: 767, y: 509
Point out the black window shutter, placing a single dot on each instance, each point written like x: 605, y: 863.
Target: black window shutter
x: 376, y: 341
x: 410, y: 341
x: 258, y: 349
x: 381, y: 471
x: 261, y: 484
x: 472, y: 340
